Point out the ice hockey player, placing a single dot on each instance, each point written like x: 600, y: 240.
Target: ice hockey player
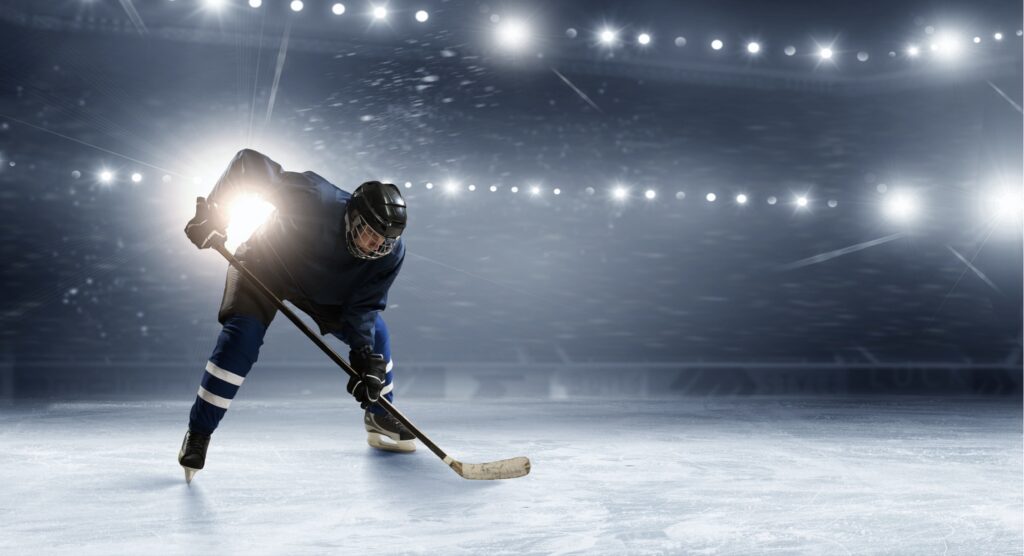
x: 332, y: 254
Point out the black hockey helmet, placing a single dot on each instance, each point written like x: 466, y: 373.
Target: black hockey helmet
x: 376, y: 209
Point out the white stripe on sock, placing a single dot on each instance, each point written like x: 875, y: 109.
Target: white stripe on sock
x: 223, y: 374
x: 391, y: 365
x: 387, y: 389
x: 213, y: 399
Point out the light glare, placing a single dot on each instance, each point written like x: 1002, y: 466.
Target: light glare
x: 753, y: 48
x: 296, y: 5
x: 643, y: 39
x: 246, y: 214
x: 338, y: 8
x: 422, y: 16
x: 380, y: 12
x: 513, y: 34
x: 717, y: 44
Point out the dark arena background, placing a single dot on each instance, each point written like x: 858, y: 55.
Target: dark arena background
x: 738, y: 277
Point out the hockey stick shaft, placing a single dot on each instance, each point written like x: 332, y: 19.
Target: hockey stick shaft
x: 382, y: 401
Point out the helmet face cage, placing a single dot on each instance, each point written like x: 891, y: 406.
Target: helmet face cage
x: 356, y: 229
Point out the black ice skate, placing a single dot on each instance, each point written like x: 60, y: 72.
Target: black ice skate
x: 192, y: 455
x: 384, y: 432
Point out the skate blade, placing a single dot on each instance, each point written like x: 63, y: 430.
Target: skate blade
x: 189, y: 473
x: 386, y: 443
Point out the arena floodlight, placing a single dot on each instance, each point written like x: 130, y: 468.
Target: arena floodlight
x: 644, y: 39
x: 513, y: 34
x: 338, y: 8
x: 379, y: 13
x: 753, y: 47
x: 901, y: 206
x: 296, y: 5
x: 422, y: 16
x: 245, y: 216
x: 741, y: 199
x: 717, y: 44
x: 650, y: 194
x: 711, y: 197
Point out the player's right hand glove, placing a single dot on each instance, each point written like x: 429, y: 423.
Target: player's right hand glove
x: 371, y: 368
x: 208, y: 226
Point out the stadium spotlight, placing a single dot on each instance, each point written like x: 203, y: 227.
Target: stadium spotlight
x: 790, y: 50
x: 772, y: 200
x: 296, y: 5
x: 557, y: 191
x: 802, y: 201
x: 429, y: 185
x: 255, y: 3
x: 717, y: 44
x: 338, y: 8
x: 136, y: 177
x: 213, y: 4
x: 619, y: 193
x: 753, y: 47
x: 948, y: 45
x: 741, y: 199
x: 900, y: 206
x: 863, y: 56
x: 513, y: 34
x: 379, y: 12
x: 998, y: 36
x: 515, y: 189
x: 1004, y: 204
x: 534, y: 190
x: 607, y: 37
x: 650, y: 194
x: 422, y: 16
x: 451, y: 188
x: 711, y: 197
x: 644, y: 39
x: 493, y: 188
x: 913, y: 51
x: 825, y: 53
x: 977, y: 40
x: 472, y: 187
x: 680, y: 41
x: 106, y: 176
x: 245, y: 215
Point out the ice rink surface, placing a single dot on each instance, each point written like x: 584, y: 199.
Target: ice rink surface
x: 740, y: 476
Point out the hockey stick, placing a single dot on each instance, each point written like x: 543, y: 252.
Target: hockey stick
x: 502, y: 469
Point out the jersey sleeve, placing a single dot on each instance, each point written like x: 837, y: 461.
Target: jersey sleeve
x: 360, y: 314
x: 254, y: 173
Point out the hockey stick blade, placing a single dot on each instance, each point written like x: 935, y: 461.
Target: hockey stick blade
x: 495, y: 470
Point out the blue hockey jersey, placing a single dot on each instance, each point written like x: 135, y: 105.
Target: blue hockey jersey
x: 301, y: 249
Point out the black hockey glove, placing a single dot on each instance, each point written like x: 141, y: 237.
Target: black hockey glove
x: 208, y: 226
x: 371, y: 368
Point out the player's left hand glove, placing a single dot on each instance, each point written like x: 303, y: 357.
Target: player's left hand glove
x: 371, y: 368
x: 208, y: 227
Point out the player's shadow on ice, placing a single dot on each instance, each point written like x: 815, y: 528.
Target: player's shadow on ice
x: 421, y: 468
